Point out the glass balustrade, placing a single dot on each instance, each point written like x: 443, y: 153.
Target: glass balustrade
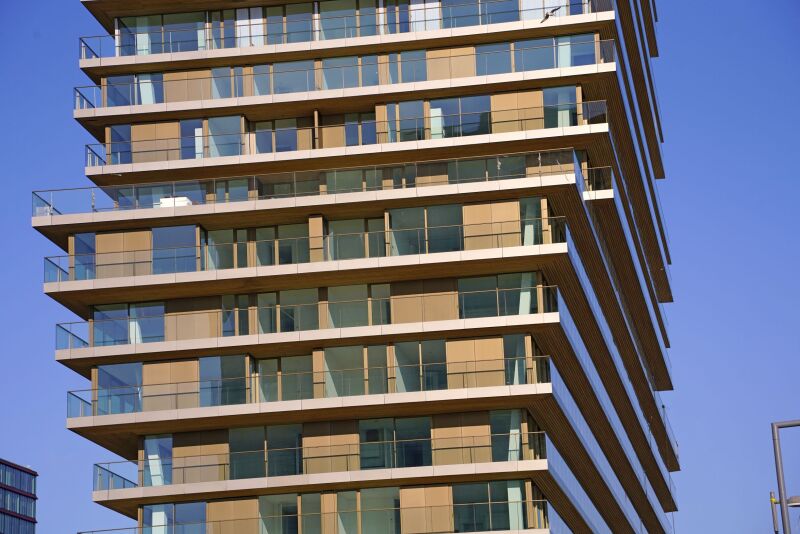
x: 381, y: 243
x: 323, y: 459
x: 304, y: 76
x: 305, y: 24
x: 274, y: 386
x: 362, y: 132
x: 172, y: 195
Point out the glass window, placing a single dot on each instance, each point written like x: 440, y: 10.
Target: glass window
x: 377, y: 374
x: 348, y: 306
x: 475, y: 114
x: 534, y: 54
x: 560, y: 107
x: 285, y: 135
x: 367, y: 18
x: 413, y: 441
x: 246, y: 452
x: 492, y: 59
x: 224, y: 136
x: 575, y: 50
x: 411, y: 120
x: 298, y: 310
x: 407, y: 373
x: 284, y: 450
x: 345, y: 239
x: 250, y: 27
x: 297, y: 380
x: 293, y: 244
x: 84, y: 254
x: 339, y: 72
x: 261, y: 80
x: 380, y: 510
x: 120, y: 147
x: 275, y: 30
x: 471, y: 507
x: 219, y: 246
x: 514, y: 358
x: 223, y: 380
x: 157, y: 460
x: 221, y: 83
x: 458, y: 13
x: 497, y: 11
x: 369, y: 70
x: 293, y: 76
x: 174, y: 249
x: 279, y: 514
x: 184, y: 32
x: 414, y: 66
x: 192, y: 139
x: 506, y: 167
x: 299, y: 21
x: 119, y: 90
x: 477, y: 297
x: 337, y: 19
x: 407, y: 231
x: 119, y: 388
x: 531, y: 220
x: 445, y: 230
x: 434, y: 364
x: 376, y: 438
x: 140, y: 35
x: 517, y: 294
x: 263, y: 133
x: 506, y: 435
x: 344, y: 371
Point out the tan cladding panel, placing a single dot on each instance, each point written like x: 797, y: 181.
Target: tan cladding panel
x: 426, y: 509
x: 424, y: 300
x: 233, y: 517
x: 495, y: 224
x: 155, y: 141
x: 170, y: 385
x: 512, y: 112
x: 199, y: 456
x: 122, y: 253
x: 192, y: 319
x: 185, y: 86
x: 461, y: 438
x: 451, y: 63
x: 331, y: 446
x: 475, y: 362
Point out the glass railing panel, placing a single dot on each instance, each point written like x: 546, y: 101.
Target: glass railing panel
x: 304, y: 27
x: 458, y: 517
x: 290, y: 139
x: 526, y: 232
x: 298, y: 184
x: 295, y: 385
x: 292, y: 79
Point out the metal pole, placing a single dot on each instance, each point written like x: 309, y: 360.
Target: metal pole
x: 772, y: 502
x: 776, y: 442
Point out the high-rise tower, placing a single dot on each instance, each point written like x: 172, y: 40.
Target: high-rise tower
x: 369, y: 267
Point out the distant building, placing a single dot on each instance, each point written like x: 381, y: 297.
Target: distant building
x: 17, y: 499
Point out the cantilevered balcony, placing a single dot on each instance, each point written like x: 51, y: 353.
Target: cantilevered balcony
x: 203, y: 32
x: 353, y: 76
x: 286, y: 139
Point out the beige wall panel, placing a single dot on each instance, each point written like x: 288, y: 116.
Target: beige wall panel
x: 506, y: 223
x: 447, y: 441
x: 192, y: 318
x: 305, y: 133
x: 412, y: 518
x: 432, y: 174
x: 478, y: 226
x: 460, y: 358
x: 406, y: 301
x: 489, y: 364
x: 505, y: 113
x: 175, y: 87
x: 462, y: 62
x: 316, y: 447
x: 345, y: 451
x: 438, y: 64
x: 233, y: 516
x: 532, y: 111
x: 440, y: 300
x: 198, y: 85
x: 316, y: 225
x: 332, y: 131
x: 168, y: 143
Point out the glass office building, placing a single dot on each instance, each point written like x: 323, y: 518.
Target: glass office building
x: 17, y: 498
x: 369, y: 266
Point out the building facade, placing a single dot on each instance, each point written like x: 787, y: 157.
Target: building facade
x: 17, y: 499
x: 369, y: 266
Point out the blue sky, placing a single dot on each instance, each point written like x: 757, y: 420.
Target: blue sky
x: 726, y: 86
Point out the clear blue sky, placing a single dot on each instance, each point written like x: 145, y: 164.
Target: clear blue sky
x: 726, y: 83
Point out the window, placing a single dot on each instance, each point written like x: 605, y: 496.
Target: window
x: 275, y: 136
x: 348, y: 306
x: 192, y: 139
x: 84, y: 254
x: 174, y: 249
x: 120, y: 148
x: 119, y: 388
x: 402, y: 442
x: 534, y: 54
x: 492, y: 59
x: 413, y: 66
x: 575, y: 50
x: 444, y: 228
x: 337, y: 19
x: 186, y: 518
x: 224, y: 136
x: 246, y: 452
x: 235, y: 315
x: 293, y: 77
x: 140, y: 35
x: 250, y: 27
x: 299, y: 22
x: 514, y: 359
x: 219, y: 249
x: 406, y: 121
x: 531, y: 220
x: 409, y: 233
x: 339, y: 72
x: 286, y: 378
x: 455, y: 117
x: 506, y: 435
x: 298, y: 310
x: 134, y: 89
x: 262, y: 85
x: 157, y: 460
x: 344, y: 371
x: 184, y: 32
x: 345, y: 239
x: 121, y: 324
x: 407, y: 371
x: 506, y: 294
x: 279, y: 513
x: 223, y: 380
x: 560, y: 108
x: 489, y: 506
x: 369, y: 71
x: 380, y: 510
x: 284, y: 450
